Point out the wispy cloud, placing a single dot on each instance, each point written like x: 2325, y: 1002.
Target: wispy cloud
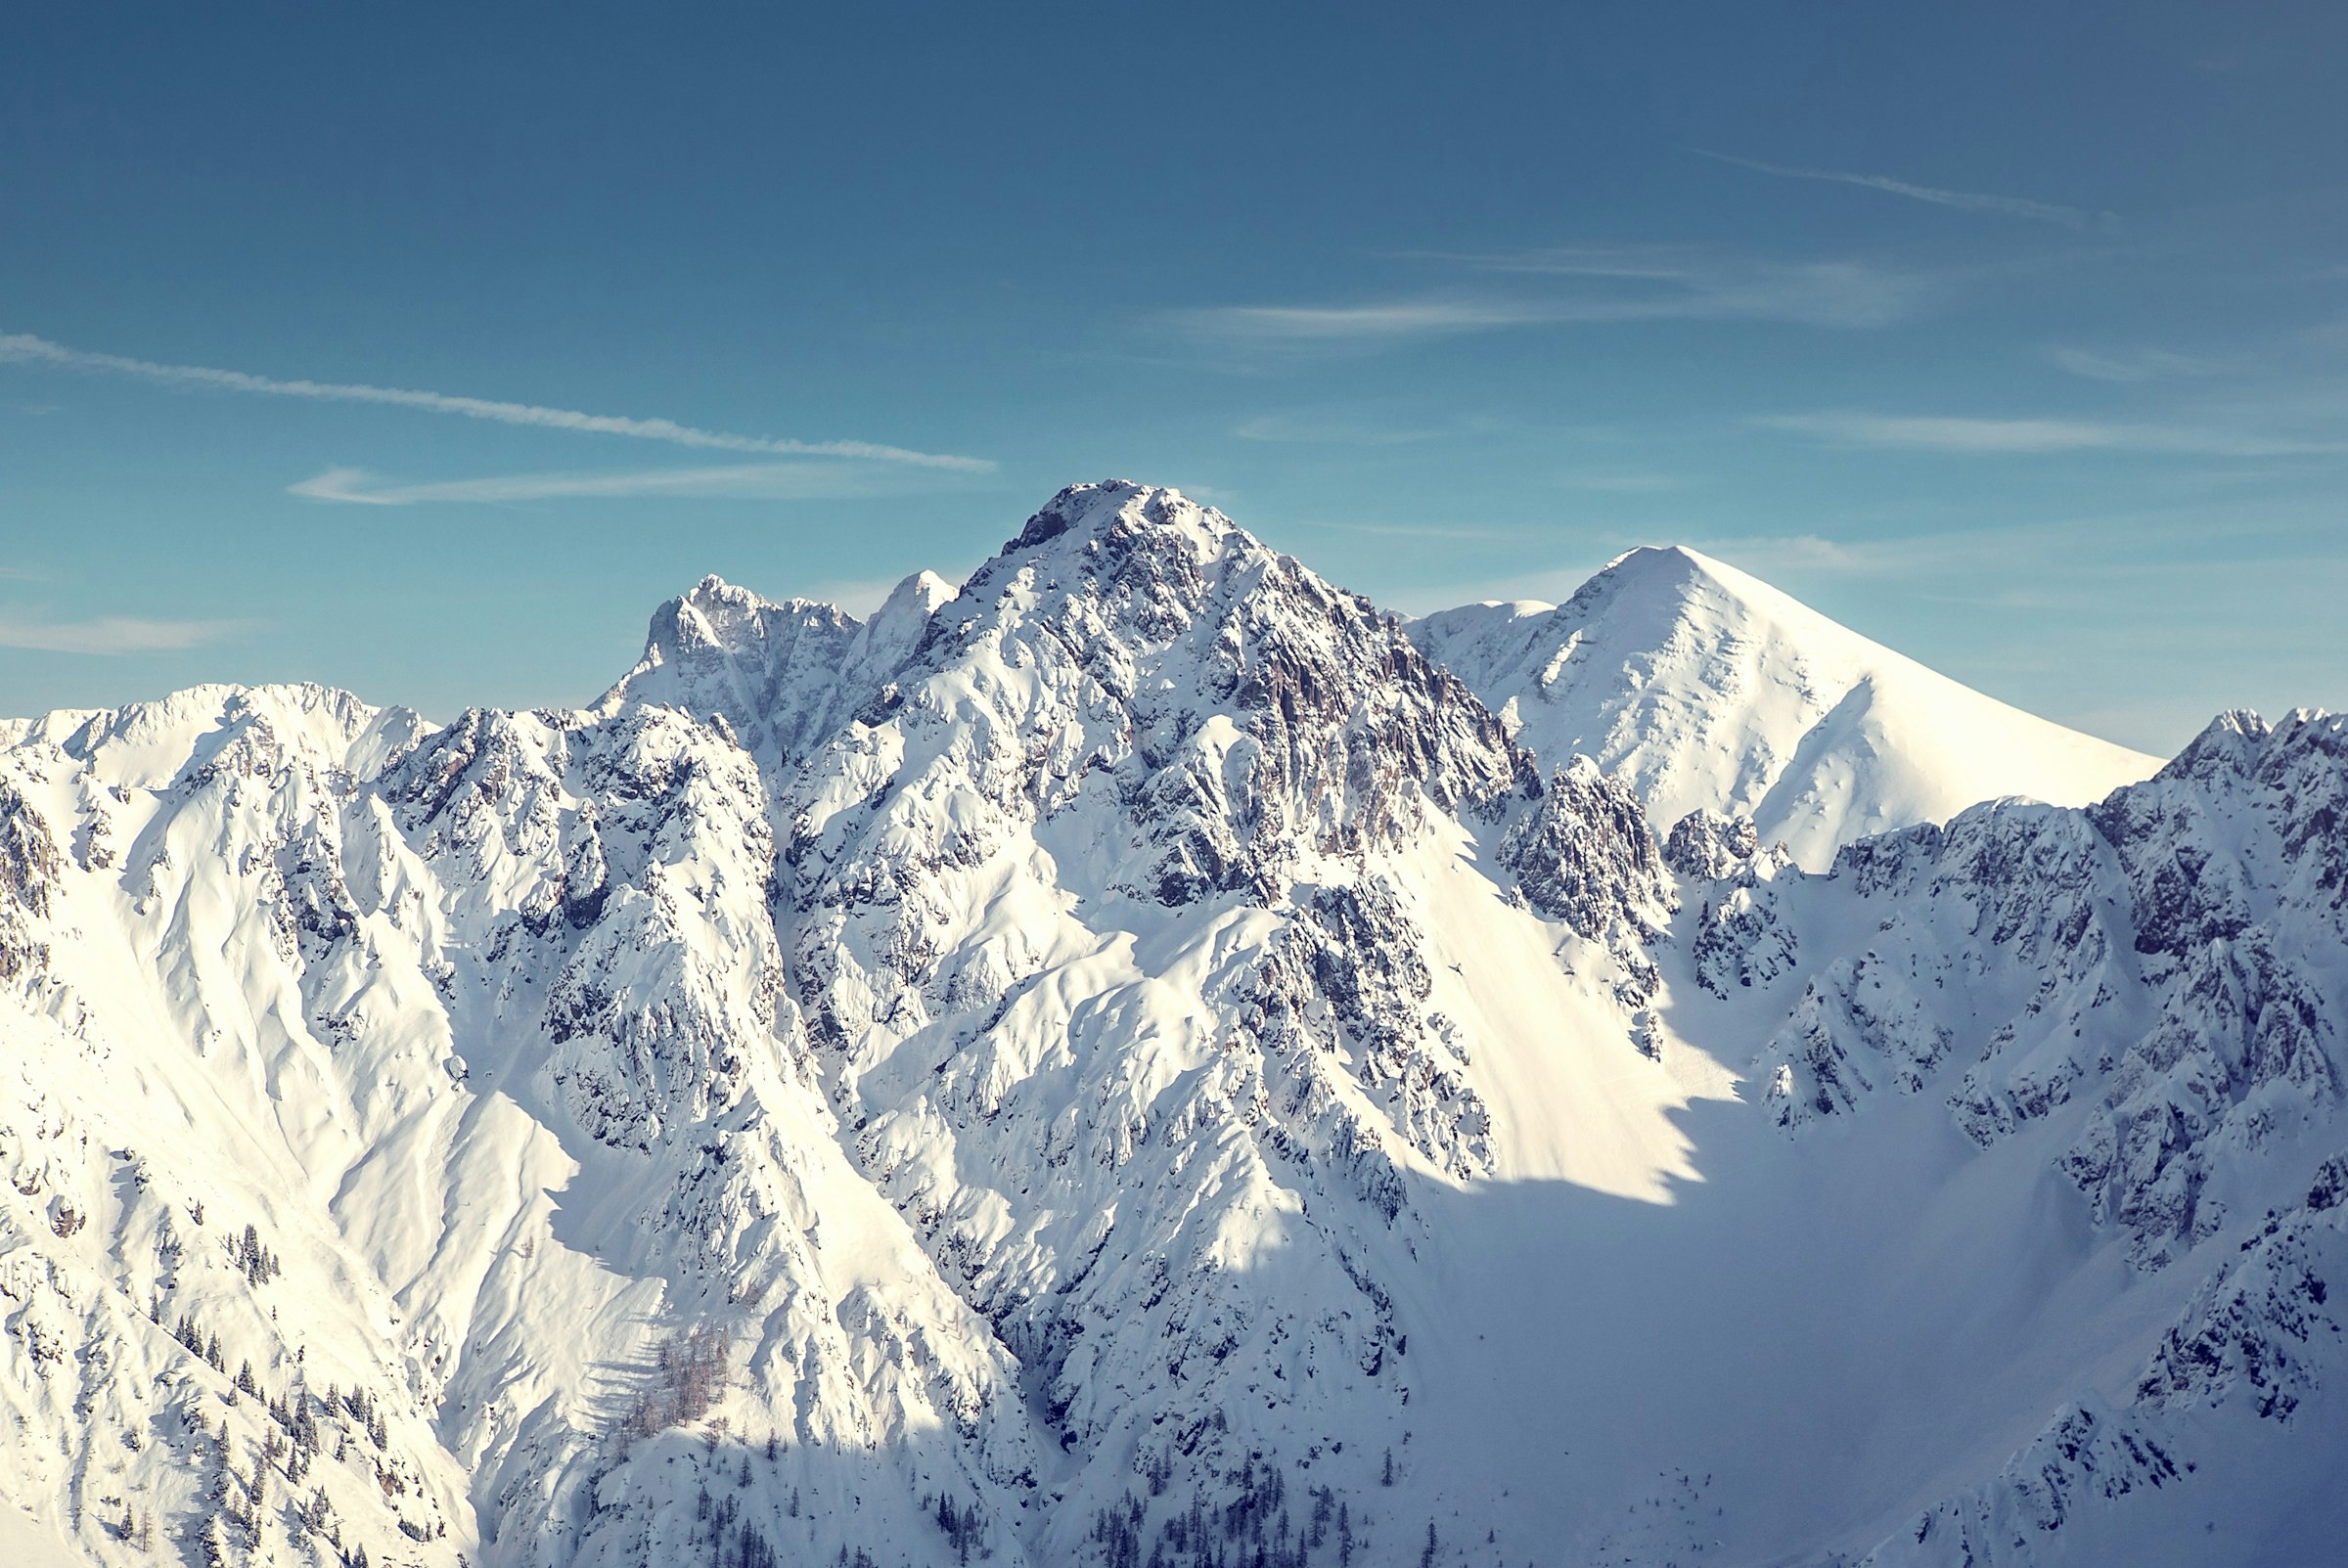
x: 1979, y: 436
x: 2133, y: 365
x: 22, y: 348
x: 1419, y: 318
x: 1587, y: 285
x: 1766, y: 554
x: 109, y: 635
x: 768, y: 481
x: 2011, y: 206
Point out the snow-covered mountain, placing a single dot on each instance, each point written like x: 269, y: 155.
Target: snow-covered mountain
x: 1705, y: 688
x: 1129, y: 1062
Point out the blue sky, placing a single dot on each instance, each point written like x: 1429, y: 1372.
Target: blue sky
x: 423, y: 351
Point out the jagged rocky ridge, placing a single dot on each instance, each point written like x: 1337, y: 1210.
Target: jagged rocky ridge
x: 1002, y: 1078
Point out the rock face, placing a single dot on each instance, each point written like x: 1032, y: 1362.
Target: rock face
x: 1132, y: 1060
x: 2147, y: 995
x: 2166, y: 963
x: 1708, y: 689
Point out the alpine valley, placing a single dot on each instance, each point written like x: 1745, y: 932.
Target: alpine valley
x: 1144, y: 1058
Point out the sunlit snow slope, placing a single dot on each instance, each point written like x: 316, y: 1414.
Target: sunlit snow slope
x: 1129, y: 1062
x: 1706, y: 688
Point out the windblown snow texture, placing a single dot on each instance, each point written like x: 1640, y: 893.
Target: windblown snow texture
x: 1148, y: 1058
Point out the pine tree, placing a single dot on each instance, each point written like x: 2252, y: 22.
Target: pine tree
x: 211, y: 1547
x: 1426, y: 1558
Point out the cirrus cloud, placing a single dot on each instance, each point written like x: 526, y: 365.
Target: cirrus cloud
x: 23, y: 348
x: 110, y: 635
x: 2010, y: 207
x: 1592, y: 285
x: 758, y: 482
x: 2018, y: 436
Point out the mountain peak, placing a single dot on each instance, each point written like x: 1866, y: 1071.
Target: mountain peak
x: 1111, y: 503
x: 1673, y: 574
x: 2229, y: 742
x: 726, y: 607
x: 918, y: 593
x: 723, y: 649
x: 1712, y: 689
x: 1657, y: 560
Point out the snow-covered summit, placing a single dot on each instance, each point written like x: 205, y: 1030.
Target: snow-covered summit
x: 146, y: 745
x: 783, y: 674
x: 1085, y: 509
x: 1708, y: 689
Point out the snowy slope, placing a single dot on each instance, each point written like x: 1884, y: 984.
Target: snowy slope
x: 482, y: 1034
x: 1127, y: 1061
x: 1708, y: 689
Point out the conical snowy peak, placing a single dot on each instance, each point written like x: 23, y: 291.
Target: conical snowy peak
x: 1663, y: 572
x: 1711, y: 690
